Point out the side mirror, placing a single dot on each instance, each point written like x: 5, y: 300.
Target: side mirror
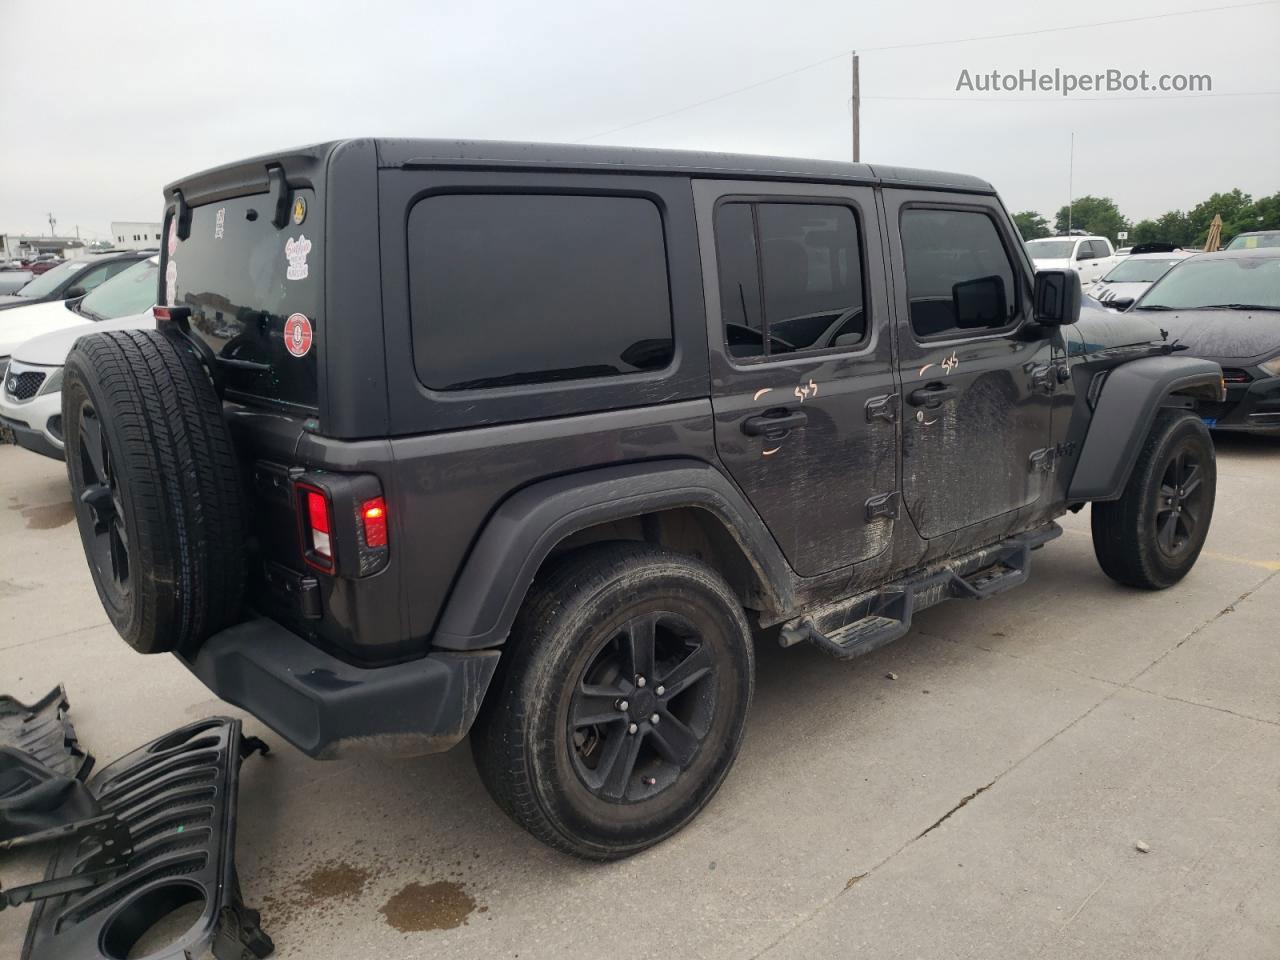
x: 1057, y: 297
x: 72, y: 292
x: 980, y: 303
x: 1084, y: 254
x: 1121, y: 303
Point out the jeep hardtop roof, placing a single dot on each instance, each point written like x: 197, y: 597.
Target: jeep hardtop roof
x: 396, y: 153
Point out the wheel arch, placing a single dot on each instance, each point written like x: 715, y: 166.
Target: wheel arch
x: 1131, y: 396
x: 685, y: 505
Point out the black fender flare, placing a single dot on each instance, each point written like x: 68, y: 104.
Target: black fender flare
x: 525, y: 528
x: 1131, y: 396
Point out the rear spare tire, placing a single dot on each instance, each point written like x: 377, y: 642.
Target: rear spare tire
x: 155, y: 486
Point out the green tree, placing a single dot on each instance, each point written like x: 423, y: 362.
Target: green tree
x: 1031, y: 225
x: 1097, y: 215
x: 1144, y: 231
x: 1235, y: 208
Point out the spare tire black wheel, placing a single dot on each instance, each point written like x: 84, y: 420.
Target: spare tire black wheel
x: 155, y: 486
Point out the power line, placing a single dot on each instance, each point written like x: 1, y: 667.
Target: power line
x: 924, y: 43
x: 1078, y: 26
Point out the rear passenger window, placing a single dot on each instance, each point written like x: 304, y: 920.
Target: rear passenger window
x: 510, y: 289
x: 958, y: 274
x: 793, y: 269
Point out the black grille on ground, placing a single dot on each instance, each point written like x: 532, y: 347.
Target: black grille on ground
x: 24, y: 385
x: 176, y: 796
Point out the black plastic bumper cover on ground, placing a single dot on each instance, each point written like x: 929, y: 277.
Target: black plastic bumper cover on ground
x: 177, y: 797
x: 325, y: 706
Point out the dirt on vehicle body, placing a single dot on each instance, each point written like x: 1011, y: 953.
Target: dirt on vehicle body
x: 536, y: 440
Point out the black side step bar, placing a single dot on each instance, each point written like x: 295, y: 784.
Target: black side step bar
x: 888, y: 614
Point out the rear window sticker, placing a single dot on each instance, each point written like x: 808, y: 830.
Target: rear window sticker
x: 297, y: 334
x: 299, y: 209
x: 171, y: 283
x: 296, y: 251
x: 219, y: 223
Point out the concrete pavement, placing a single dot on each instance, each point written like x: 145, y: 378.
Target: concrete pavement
x: 986, y: 803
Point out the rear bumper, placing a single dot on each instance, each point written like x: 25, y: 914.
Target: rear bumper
x: 327, y: 707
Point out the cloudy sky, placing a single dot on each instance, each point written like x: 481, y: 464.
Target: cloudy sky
x: 103, y: 103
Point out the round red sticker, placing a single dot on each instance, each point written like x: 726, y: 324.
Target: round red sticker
x: 297, y: 335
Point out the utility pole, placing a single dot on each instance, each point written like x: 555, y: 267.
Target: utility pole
x: 53, y: 225
x: 857, y: 118
x: 1071, y: 173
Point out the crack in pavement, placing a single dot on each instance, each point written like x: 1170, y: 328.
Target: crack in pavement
x: 1229, y: 608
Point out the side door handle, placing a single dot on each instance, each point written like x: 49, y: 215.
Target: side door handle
x: 931, y: 395
x: 774, y: 422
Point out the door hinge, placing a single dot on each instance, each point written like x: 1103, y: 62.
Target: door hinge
x: 1043, y: 459
x: 1047, y: 458
x: 885, y: 505
x: 883, y: 408
x: 1043, y: 379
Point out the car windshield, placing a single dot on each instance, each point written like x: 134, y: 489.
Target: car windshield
x: 47, y: 282
x: 1252, y: 241
x: 128, y: 292
x: 1050, y: 249
x: 1140, y: 271
x: 1212, y: 282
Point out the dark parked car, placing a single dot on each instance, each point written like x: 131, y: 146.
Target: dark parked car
x: 1255, y: 239
x: 1226, y: 307
x: 73, y: 278
x: 535, y: 441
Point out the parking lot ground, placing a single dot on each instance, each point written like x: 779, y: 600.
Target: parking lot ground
x: 978, y: 789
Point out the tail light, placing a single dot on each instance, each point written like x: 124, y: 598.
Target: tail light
x: 317, y: 527
x: 373, y: 513
x: 343, y: 523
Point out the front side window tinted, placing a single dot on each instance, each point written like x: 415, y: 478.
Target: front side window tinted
x: 793, y: 269
x: 958, y: 274
x: 510, y: 289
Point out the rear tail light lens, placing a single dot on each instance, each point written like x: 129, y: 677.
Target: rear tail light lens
x: 317, y: 528
x: 374, y: 515
x: 343, y: 523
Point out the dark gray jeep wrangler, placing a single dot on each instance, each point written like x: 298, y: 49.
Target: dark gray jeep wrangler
x: 535, y: 441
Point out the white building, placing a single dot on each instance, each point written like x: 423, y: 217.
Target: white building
x: 134, y: 235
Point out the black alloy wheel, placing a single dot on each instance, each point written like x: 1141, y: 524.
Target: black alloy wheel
x: 642, y: 708
x: 1179, y: 504
x: 100, y: 509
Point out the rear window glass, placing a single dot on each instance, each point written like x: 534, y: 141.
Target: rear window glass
x: 510, y: 289
x: 243, y: 279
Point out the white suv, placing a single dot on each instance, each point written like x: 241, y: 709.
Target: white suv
x: 1090, y: 257
x: 35, y: 341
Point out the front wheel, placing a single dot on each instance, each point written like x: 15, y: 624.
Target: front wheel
x: 1152, y: 536
x: 620, y: 701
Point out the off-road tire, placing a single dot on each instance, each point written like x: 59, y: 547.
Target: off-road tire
x: 522, y: 746
x: 178, y: 487
x: 1126, y: 532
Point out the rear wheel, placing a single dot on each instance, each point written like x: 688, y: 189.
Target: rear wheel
x: 155, y: 488
x: 1152, y: 536
x: 620, y: 704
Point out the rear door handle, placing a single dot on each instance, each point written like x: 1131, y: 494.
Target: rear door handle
x: 931, y: 395
x: 778, y: 420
